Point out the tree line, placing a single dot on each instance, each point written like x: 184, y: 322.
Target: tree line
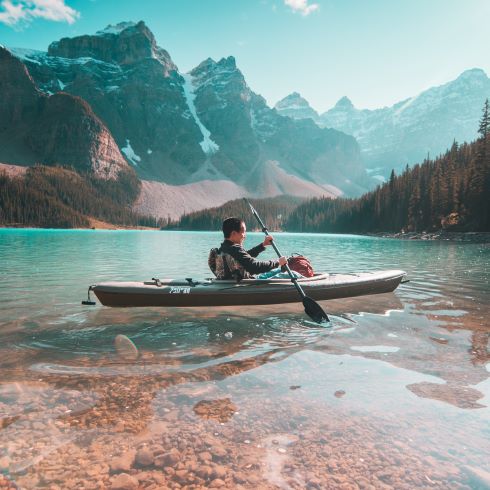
x: 273, y: 211
x: 451, y: 192
x: 56, y: 197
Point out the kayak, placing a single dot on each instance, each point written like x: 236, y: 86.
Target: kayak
x: 214, y: 292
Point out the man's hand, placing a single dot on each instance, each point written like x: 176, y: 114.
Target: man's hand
x: 268, y: 240
x: 283, y: 261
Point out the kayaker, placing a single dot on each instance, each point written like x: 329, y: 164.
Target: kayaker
x: 232, y: 261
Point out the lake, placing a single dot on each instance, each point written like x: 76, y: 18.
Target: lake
x: 394, y: 394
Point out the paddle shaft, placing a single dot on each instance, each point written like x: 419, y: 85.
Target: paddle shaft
x: 266, y: 231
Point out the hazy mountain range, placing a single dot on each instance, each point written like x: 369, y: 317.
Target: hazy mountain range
x: 408, y: 131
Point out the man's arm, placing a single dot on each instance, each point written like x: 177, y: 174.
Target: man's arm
x: 261, y: 247
x: 256, y: 250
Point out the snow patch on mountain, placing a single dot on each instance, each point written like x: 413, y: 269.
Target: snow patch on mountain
x: 207, y: 144
x: 405, y: 105
x: 27, y: 54
x: 130, y: 154
x: 115, y: 29
x: 43, y: 58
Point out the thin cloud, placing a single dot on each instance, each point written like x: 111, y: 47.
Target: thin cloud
x: 14, y: 11
x: 301, y: 6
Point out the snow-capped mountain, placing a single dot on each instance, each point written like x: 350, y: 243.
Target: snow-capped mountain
x: 185, y: 128
x: 255, y: 142
x: 408, y: 131
x: 296, y: 107
x: 134, y: 87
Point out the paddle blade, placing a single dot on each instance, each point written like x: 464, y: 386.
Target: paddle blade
x: 314, y: 310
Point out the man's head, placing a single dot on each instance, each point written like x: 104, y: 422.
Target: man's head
x: 234, y: 229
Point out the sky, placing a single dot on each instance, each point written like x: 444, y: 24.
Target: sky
x: 376, y: 52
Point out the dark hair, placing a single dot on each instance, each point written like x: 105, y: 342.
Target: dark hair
x: 231, y: 224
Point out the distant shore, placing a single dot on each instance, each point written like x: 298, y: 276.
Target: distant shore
x: 451, y: 236
x: 94, y: 224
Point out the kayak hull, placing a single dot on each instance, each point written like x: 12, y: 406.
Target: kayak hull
x: 188, y: 293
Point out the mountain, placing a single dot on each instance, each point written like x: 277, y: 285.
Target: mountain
x: 83, y: 176
x: 134, y: 87
x: 449, y: 193
x: 59, y: 129
x: 264, y: 151
x: 207, y: 125
x: 296, y: 107
x: 408, y: 131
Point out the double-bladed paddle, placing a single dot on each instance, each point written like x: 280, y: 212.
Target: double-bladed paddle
x: 312, y: 308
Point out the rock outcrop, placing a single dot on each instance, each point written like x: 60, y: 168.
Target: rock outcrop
x: 52, y: 130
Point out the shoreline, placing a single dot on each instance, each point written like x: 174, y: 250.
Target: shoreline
x: 449, y: 236
x: 94, y: 224
x: 441, y: 235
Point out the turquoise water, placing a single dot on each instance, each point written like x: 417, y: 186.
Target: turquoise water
x: 395, y: 392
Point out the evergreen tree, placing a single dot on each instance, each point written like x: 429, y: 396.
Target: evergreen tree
x: 484, y: 127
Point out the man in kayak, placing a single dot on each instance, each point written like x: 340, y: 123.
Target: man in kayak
x: 232, y: 261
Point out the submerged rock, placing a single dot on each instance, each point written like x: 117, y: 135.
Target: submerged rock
x: 124, y: 482
x: 123, y: 462
x: 144, y: 457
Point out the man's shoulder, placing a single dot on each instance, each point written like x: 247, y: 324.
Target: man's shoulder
x: 228, y: 246
x: 232, y: 248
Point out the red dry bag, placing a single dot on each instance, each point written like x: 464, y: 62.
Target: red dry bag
x: 301, y: 264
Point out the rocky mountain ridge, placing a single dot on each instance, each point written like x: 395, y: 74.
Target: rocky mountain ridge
x: 408, y: 131
x: 185, y: 128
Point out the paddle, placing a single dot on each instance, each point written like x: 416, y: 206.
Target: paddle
x: 312, y: 308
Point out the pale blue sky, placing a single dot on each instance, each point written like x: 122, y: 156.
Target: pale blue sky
x: 376, y: 52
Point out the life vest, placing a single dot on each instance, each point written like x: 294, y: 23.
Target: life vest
x: 224, y: 266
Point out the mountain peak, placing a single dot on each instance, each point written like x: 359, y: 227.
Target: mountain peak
x: 294, y: 99
x: 296, y: 107
x: 225, y: 66
x: 229, y: 62
x: 118, y: 28
x: 473, y: 74
x: 344, y: 103
x: 123, y: 43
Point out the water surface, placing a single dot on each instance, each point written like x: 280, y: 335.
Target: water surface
x: 394, y: 394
